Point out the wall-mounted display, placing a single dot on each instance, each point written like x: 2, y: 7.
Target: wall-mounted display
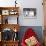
x: 29, y: 12
x: 5, y: 12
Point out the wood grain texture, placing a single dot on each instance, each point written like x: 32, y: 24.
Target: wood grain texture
x: 10, y: 26
x: 9, y: 43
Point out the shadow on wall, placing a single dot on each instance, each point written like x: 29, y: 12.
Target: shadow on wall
x: 37, y: 29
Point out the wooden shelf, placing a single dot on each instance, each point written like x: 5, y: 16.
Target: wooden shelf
x: 10, y: 26
x: 4, y: 24
x: 9, y: 43
x: 9, y: 7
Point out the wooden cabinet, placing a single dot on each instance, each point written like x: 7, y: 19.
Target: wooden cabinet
x: 10, y: 43
x: 9, y: 23
x: 7, y: 13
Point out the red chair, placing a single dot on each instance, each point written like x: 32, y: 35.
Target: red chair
x: 29, y: 33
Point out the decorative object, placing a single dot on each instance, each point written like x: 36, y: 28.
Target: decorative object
x: 15, y: 3
x: 31, y: 41
x: 5, y: 12
x: 13, y: 12
x: 29, y: 12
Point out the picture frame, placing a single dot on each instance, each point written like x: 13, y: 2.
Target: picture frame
x: 29, y: 12
x: 12, y: 12
x: 5, y: 12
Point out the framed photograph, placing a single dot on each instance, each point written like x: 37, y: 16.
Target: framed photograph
x: 29, y: 12
x: 5, y: 12
x: 12, y: 12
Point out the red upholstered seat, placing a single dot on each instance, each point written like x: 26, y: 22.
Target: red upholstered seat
x: 29, y: 33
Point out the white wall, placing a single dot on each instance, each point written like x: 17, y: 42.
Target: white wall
x: 6, y: 3
x: 38, y: 21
